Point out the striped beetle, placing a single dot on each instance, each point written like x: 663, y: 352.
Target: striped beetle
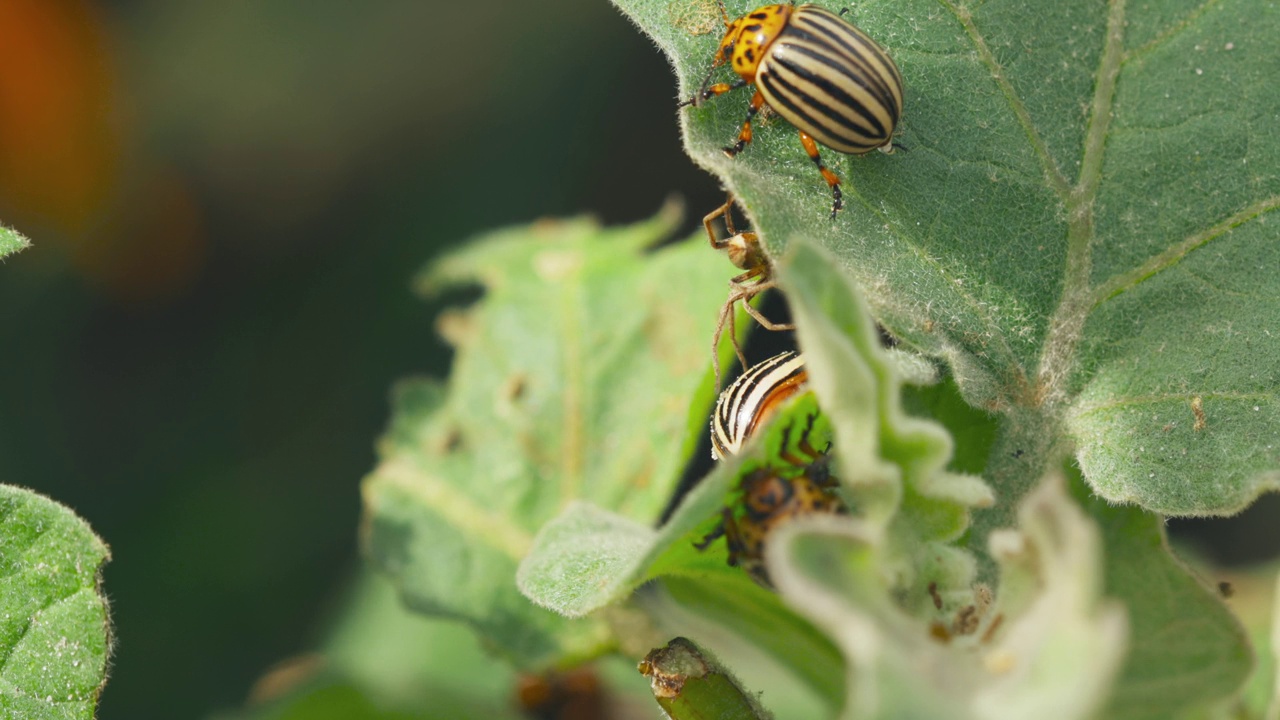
x: 746, y: 254
x: 830, y: 80
x: 752, y: 399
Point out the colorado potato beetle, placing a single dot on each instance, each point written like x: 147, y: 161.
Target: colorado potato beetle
x: 745, y: 253
x: 752, y: 399
x: 771, y: 497
x: 835, y: 84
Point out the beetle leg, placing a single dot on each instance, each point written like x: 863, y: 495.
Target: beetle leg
x: 716, y: 533
x: 805, y: 446
x: 744, y: 137
x: 832, y: 179
x: 711, y: 91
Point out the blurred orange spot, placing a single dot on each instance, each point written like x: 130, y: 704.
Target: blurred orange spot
x: 152, y: 246
x: 57, y: 141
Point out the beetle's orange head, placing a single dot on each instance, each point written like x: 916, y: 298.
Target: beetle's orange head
x: 748, y: 37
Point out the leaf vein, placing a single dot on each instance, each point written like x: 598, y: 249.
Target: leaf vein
x: 454, y: 507
x: 1171, y: 32
x: 1163, y: 261
x: 1067, y: 323
x: 1180, y: 397
x: 1057, y: 181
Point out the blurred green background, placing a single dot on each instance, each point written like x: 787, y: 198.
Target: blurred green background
x: 227, y: 202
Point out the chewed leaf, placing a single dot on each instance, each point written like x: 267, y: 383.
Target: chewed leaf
x: 582, y: 375
x: 54, y: 631
x: 1083, y: 227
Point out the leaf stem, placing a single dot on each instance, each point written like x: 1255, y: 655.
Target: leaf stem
x: 1067, y: 323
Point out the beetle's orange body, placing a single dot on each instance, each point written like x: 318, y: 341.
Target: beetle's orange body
x: 749, y: 37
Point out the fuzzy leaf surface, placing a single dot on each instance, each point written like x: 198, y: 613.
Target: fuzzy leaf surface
x: 580, y: 376
x: 1083, y: 226
x: 894, y: 467
x: 11, y: 242
x: 1187, y: 651
x: 588, y: 557
x: 1054, y: 652
x: 54, y: 631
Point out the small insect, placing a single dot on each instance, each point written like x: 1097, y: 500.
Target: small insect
x: 830, y: 80
x: 746, y: 254
x: 771, y: 498
x: 752, y: 399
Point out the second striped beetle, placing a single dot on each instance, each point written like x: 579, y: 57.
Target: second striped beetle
x: 828, y: 78
x: 752, y: 399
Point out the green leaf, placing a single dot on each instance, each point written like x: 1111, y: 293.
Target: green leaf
x: 582, y: 375
x: 11, y: 242
x: 1273, y: 662
x: 893, y: 466
x: 1082, y: 228
x: 54, y: 631
x: 589, y: 557
x: 1187, y: 651
x: 1050, y: 647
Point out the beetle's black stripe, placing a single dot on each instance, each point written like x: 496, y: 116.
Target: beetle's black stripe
x: 743, y: 393
x: 842, y: 134
x: 832, y: 81
x: 850, y: 37
x: 738, y: 407
x: 841, y: 99
x: 847, y: 68
x: 868, y: 60
x: 837, y: 38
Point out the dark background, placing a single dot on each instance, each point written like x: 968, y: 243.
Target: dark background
x: 228, y: 202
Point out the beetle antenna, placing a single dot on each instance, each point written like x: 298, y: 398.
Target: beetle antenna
x: 724, y: 12
x: 702, y: 89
